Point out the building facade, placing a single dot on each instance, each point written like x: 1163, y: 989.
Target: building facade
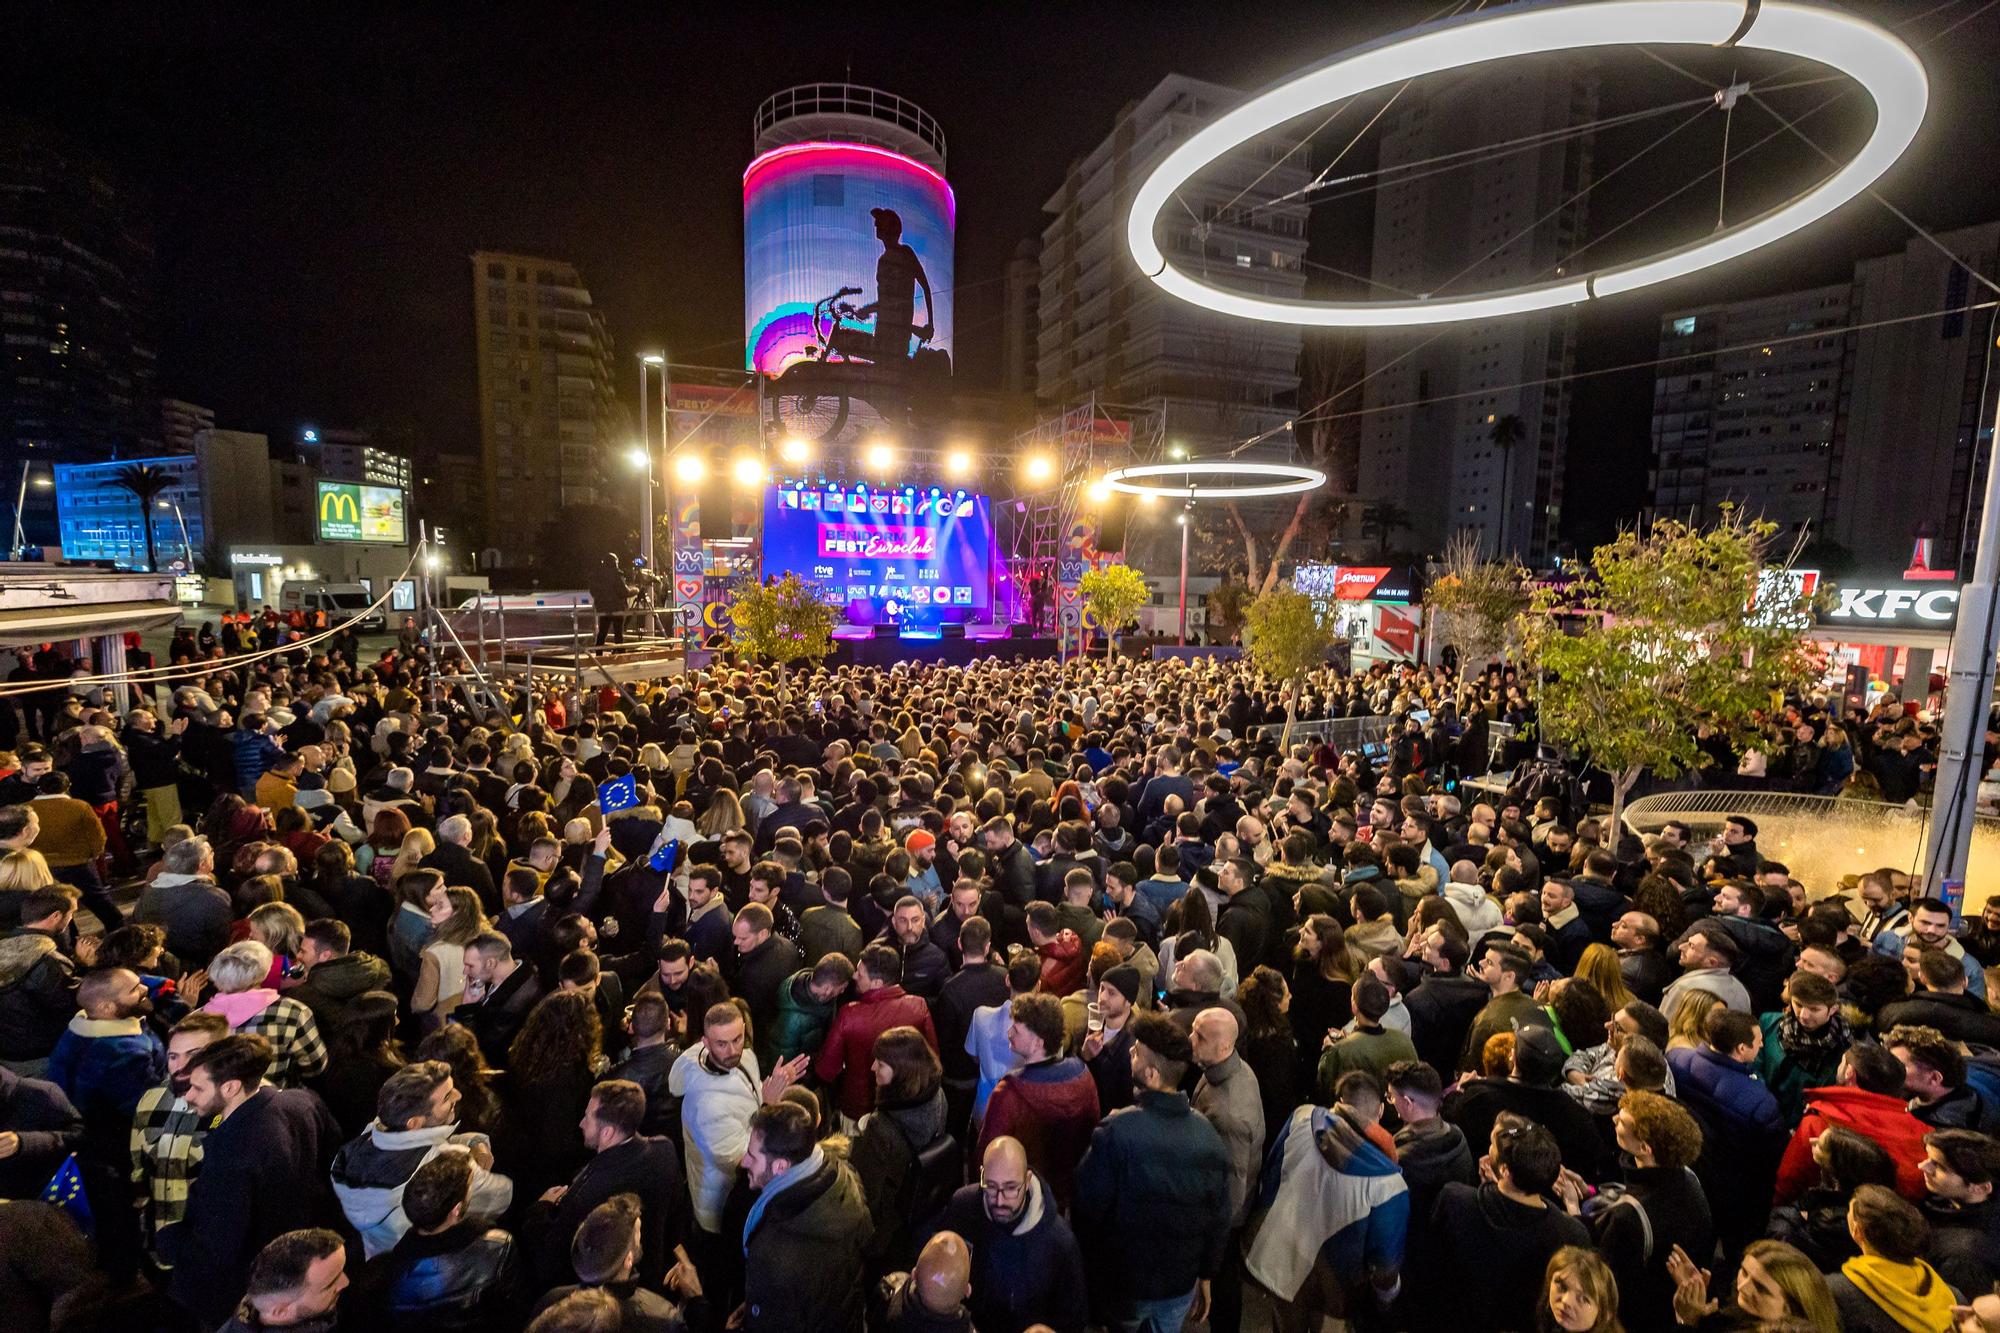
x: 548, y: 413
x: 181, y: 421
x: 78, y: 320
x: 1852, y: 412
x: 1434, y: 396
x: 1915, y: 427
x: 1103, y: 329
x: 1744, y: 411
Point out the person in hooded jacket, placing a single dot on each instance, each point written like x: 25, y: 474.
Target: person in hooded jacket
x: 807, y: 1232
x: 1509, y: 1223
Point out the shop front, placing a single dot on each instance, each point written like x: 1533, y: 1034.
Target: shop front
x: 1896, y: 628
x: 1377, y: 608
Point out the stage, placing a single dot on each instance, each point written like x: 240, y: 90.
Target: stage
x: 857, y: 645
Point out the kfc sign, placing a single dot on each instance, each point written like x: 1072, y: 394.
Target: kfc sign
x: 1916, y: 608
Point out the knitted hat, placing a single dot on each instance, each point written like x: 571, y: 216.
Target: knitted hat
x: 1538, y: 1056
x: 1124, y: 979
x: 919, y: 840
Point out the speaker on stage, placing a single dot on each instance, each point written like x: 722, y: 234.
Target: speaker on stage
x: 1022, y: 631
x: 885, y: 630
x: 1111, y: 516
x: 952, y: 629
x: 718, y: 507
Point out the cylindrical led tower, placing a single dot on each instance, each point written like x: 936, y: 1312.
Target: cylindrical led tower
x: 829, y: 156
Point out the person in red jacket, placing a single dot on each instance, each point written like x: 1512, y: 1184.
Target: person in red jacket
x: 1064, y: 959
x: 1868, y: 1100
x: 1050, y: 1103
x: 845, y: 1059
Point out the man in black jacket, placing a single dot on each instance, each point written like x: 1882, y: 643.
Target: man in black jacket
x: 460, y: 867
x: 649, y: 1062
x: 446, y: 1275
x: 37, y: 978
x: 764, y: 961
x: 977, y: 984
x: 1026, y: 1266
x: 1445, y: 1003
x: 38, y: 1129
x: 185, y: 899
x: 263, y: 1173
x: 507, y: 989
x: 1643, y: 963
x: 625, y: 1162
x: 925, y: 968
x: 1157, y: 1170
x: 807, y: 1230
x: 1942, y: 1002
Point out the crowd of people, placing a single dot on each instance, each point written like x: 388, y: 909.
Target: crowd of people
x: 1008, y: 997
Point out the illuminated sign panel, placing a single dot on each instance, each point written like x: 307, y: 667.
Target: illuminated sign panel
x: 349, y: 512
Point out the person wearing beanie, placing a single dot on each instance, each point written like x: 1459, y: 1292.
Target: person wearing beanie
x: 925, y: 881
x: 1107, y: 1042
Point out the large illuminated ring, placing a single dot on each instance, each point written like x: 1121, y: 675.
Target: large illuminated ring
x: 1884, y: 66
x: 1288, y: 479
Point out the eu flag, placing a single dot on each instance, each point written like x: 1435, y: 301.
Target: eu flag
x: 65, y: 1191
x: 618, y: 794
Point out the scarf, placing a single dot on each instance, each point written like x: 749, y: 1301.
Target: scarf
x: 1911, y: 1294
x: 1815, y: 1047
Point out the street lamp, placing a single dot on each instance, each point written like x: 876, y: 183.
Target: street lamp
x: 187, y: 547
x: 20, y: 504
x: 689, y: 469
x: 1182, y: 518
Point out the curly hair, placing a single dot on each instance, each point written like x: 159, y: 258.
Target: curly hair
x: 1262, y: 995
x: 562, y: 1033
x: 1664, y: 1126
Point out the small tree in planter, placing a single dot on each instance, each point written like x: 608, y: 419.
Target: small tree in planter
x: 1686, y: 628
x: 1227, y: 606
x: 1287, y: 637
x: 1477, y: 601
x: 781, y: 622
x: 1113, y: 595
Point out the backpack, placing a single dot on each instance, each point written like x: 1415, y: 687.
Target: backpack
x: 937, y: 1170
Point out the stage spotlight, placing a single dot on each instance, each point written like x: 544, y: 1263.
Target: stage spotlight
x: 880, y: 457
x: 795, y: 451
x: 1040, y: 467
x: 748, y: 470
x: 958, y: 464
x: 1177, y: 451
x: 1100, y: 490
x: 689, y: 468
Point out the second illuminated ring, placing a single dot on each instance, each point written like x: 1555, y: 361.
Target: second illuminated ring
x: 1285, y: 479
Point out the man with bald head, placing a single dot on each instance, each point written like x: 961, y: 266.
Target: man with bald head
x: 1026, y: 1268
x: 1641, y: 959
x: 1228, y: 1096
x: 930, y: 1298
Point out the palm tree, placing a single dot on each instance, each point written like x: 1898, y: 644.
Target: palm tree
x: 1507, y: 432
x: 1381, y: 521
x: 147, y: 483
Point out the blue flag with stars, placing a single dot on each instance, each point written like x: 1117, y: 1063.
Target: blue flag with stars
x: 618, y: 794
x: 65, y: 1191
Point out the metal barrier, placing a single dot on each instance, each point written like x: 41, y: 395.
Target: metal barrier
x: 1345, y: 733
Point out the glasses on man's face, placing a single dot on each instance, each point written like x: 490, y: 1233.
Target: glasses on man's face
x: 1001, y: 1189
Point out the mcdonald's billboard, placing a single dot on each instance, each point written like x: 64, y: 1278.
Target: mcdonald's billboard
x: 349, y: 512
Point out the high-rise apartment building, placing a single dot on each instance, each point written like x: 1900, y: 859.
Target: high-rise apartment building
x: 1744, y: 411
x: 1433, y: 396
x: 181, y: 422
x: 1105, y: 329
x: 1916, y: 418
x: 1841, y: 411
x: 77, y: 315
x: 548, y: 414
x: 1021, y: 283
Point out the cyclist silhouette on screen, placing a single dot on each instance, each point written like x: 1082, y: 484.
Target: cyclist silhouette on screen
x: 898, y: 273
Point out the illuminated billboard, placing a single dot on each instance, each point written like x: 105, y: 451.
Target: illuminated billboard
x: 810, y: 229
x: 902, y: 555
x: 350, y: 512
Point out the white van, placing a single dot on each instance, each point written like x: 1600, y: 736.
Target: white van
x: 340, y: 601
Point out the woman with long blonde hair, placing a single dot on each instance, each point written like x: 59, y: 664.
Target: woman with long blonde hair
x: 1599, y: 966
x: 1686, y: 1025
x: 417, y: 844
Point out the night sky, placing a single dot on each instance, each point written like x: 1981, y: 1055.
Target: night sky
x: 317, y: 176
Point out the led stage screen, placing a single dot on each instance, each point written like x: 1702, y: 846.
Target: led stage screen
x: 907, y: 555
